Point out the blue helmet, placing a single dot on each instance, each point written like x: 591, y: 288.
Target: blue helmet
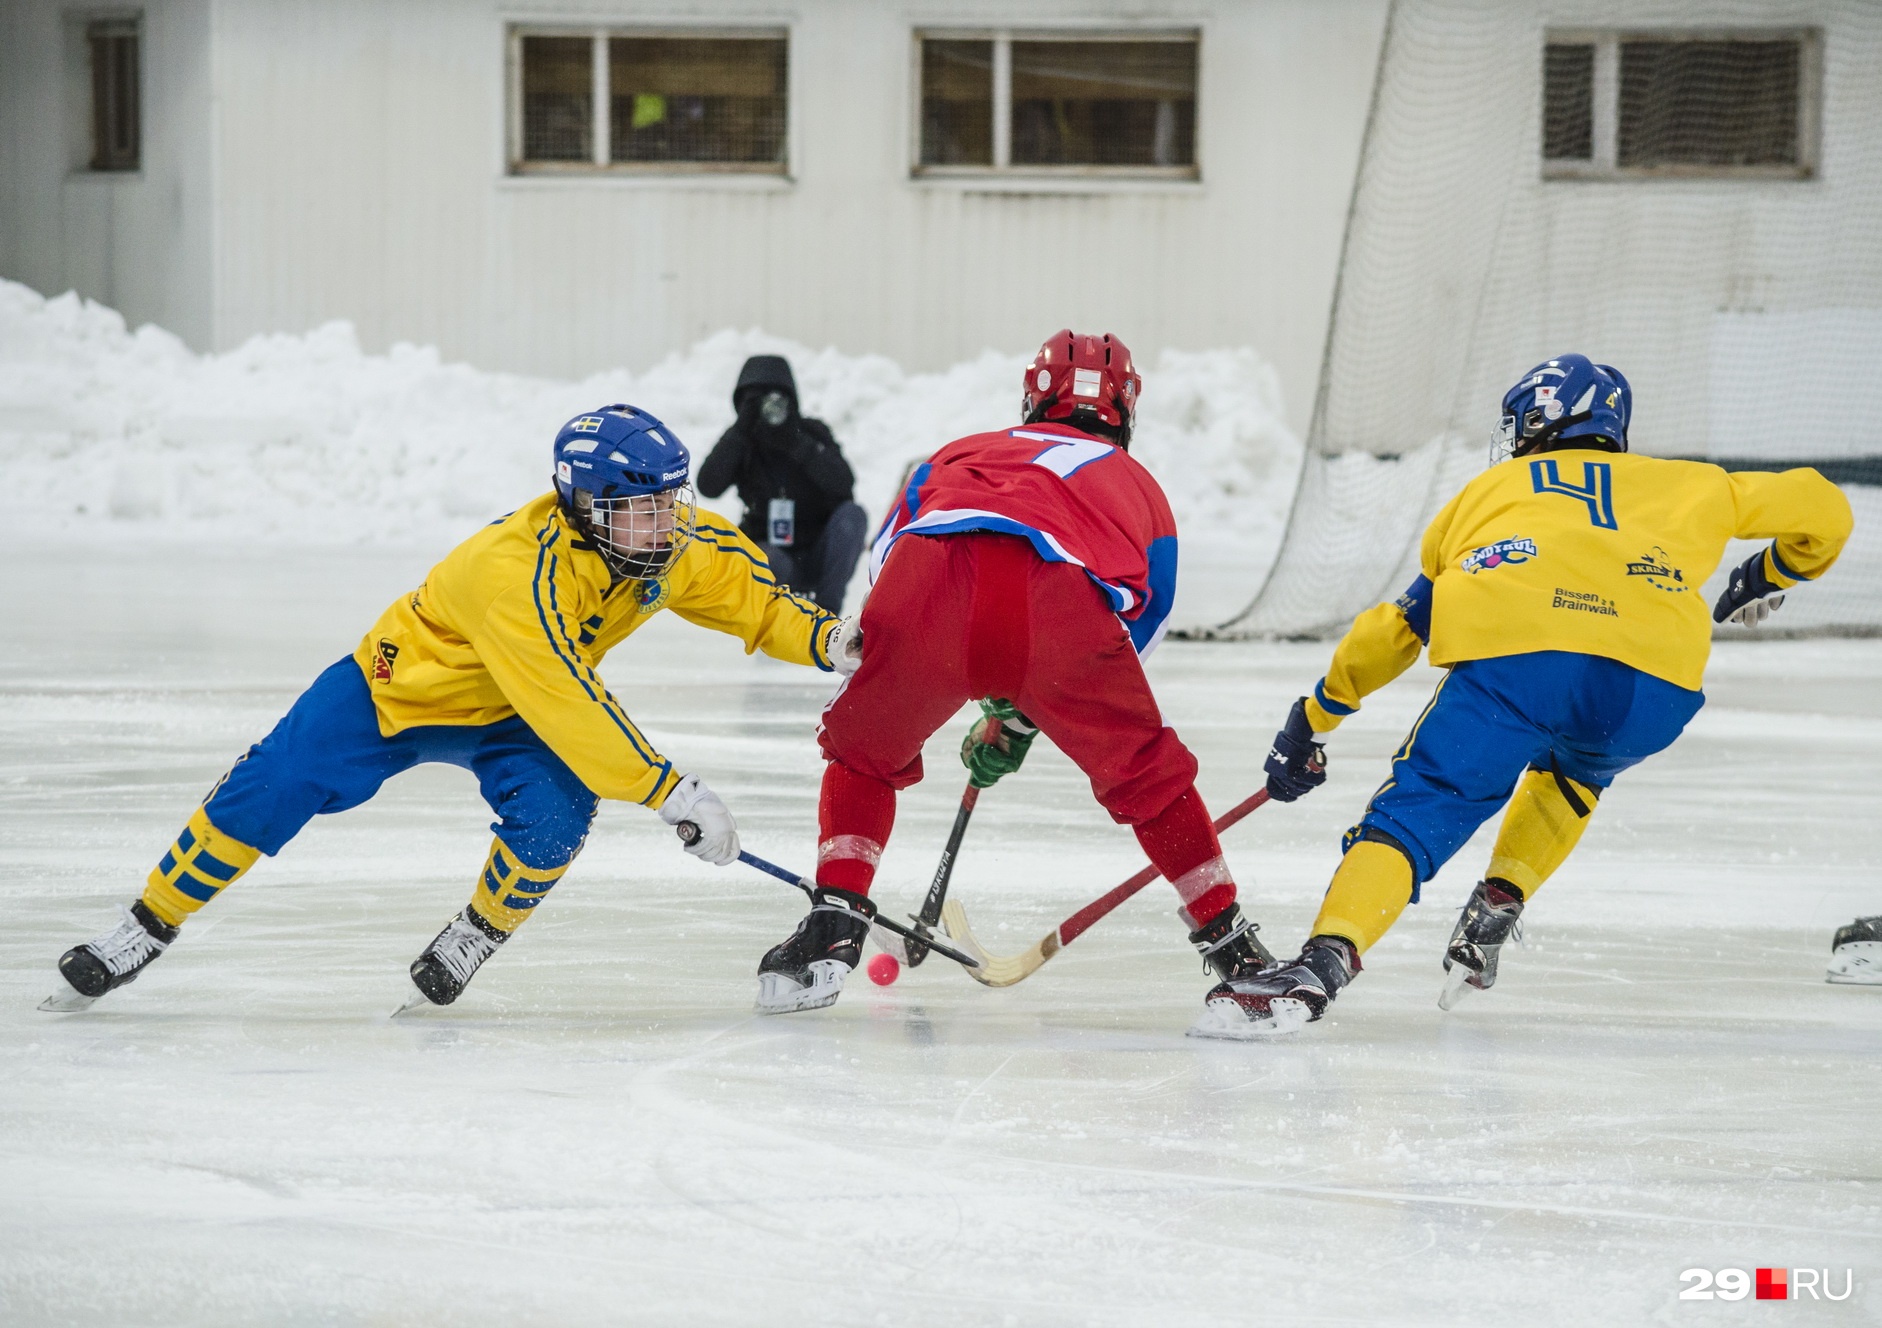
x: 622, y: 479
x: 1567, y: 397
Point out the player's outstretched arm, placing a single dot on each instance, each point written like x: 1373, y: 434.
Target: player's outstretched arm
x: 1382, y: 643
x: 1806, y: 518
x: 536, y: 657
x: 725, y: 582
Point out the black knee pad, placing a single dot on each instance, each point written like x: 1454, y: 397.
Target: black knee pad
x: 1369, y: 834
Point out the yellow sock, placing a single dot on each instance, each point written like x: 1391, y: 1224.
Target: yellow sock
x: 1539, y: 831
x: 1369, y: 891
x: 508, y: 890
x: 196, y: 869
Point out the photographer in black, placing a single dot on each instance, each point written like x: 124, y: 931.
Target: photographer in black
x: 795, y: 484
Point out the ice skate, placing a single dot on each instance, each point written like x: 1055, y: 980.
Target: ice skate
x: 806, y: 972
x: 111, y: 960
x: 1491, y: 916
x: 1281, y: 999
x: 455, y: 954
x: 1856, y: 954
x: 1229, y: 946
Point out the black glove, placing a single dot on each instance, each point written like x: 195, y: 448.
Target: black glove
x: 1750, y: 596
x: 1296, y: 763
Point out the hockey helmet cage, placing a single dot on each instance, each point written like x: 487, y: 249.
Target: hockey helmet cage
x: 622, y: 478
x: 1561, y: 399
x: 1080, y: 379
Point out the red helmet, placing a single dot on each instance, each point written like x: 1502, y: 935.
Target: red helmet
x: 1085, y: 379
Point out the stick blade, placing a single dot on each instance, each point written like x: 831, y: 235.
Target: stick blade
x: 996, y: 970
x: 891, y: 944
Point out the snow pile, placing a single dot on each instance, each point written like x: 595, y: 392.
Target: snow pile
x: 311, y: 440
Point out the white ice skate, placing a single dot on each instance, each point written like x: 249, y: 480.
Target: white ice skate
x: 1856, y: 956
x: 815, y: 987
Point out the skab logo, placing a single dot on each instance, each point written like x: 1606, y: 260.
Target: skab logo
x: 1659, y: 571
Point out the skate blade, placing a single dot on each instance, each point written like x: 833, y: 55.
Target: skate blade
x: 416, y: 1001
x: 67, y: 1002
x: 1456, y: 987
x: 1227, y: 1020
x: 779, y: 994
x: 1842, y: 977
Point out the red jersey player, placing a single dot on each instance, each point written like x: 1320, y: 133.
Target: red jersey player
x: 1035, y: 564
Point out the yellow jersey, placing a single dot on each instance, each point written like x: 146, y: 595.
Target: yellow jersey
x: 1594, y: 552
x: 516, y: 618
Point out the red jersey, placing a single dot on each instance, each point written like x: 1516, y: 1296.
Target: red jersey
x: 1077, y: 499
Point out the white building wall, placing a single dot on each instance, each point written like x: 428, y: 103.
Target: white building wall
x: 351, y: 164
x: 140, y: 242
x: 362, y: 153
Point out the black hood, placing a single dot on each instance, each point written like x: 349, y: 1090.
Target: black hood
x: 762, y: 373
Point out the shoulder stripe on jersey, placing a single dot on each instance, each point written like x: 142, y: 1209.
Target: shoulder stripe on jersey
x: 545, y: 566
x: 760, y: 561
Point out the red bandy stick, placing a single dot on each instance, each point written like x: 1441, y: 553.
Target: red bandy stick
x: 1005, y: 970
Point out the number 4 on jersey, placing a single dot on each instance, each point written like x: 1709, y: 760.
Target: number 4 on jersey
x: 1596, y: 488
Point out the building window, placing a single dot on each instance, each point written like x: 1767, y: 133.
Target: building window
x: 1680, y: 104
x: 558, y: 99
x: 1038, y: 104
x: 117, y: 131
x: 637, y: 102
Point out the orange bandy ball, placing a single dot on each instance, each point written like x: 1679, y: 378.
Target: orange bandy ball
x: 884, y: 969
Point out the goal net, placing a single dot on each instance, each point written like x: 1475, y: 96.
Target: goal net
x: 1689, y: 190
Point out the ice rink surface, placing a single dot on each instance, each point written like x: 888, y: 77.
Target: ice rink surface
x: 601, y: 1131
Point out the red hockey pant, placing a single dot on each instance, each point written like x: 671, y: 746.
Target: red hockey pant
x: 953, y: 618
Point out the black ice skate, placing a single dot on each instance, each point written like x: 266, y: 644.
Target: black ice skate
x: 111, y: 960
x: 806, y: 972
x: 1492, y: 916
x: 455, y: 954
x: 1856, y: 954
x: 1229, y: 947
x: 1280, y: 999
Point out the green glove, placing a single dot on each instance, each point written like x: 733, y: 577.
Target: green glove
x: 996, y: 744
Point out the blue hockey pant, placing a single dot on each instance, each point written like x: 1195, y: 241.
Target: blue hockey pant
x: 327, y: 755
x: 1583, y: 717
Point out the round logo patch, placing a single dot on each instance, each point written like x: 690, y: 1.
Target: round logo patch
x: 653, y: 596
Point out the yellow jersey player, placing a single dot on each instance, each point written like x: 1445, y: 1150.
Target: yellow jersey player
x: 491, y: 665
x: 1561, y: 589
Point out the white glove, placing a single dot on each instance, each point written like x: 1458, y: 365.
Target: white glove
x: 714, y: 834
x: 846, y: 645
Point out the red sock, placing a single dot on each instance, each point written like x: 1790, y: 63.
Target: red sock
x: 854, y: 817
x: 1181, y: 840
